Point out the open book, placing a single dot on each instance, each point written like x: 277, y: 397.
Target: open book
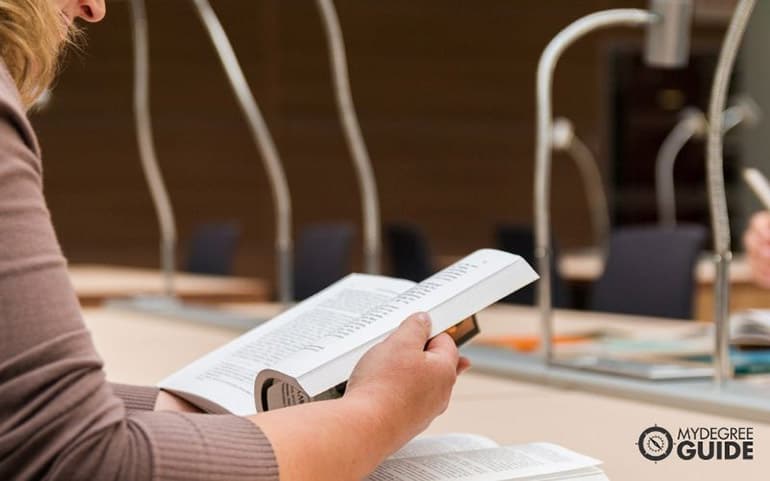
x: 308, y: 352
x: 750, y: 328
x: 467, y: 457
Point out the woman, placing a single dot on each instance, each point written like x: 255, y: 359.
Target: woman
x: 60, y: 419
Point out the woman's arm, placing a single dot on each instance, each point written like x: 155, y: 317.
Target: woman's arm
x: 396, y: 390
x: 136, y: 398
x: 394, y: 393
x: 59, y: 418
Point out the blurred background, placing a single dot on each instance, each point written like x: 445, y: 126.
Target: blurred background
x: 445, y: 95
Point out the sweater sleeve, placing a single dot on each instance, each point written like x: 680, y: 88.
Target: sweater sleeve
x: 59, y: 418
x: 136, y: 398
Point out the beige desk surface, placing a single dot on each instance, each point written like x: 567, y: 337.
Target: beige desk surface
x: 142, y: 349
x: 96, y: 283
x: 587, y: 266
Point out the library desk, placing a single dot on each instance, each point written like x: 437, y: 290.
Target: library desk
x: 96, y: 283
x: 505, y: 410
x: 583, y: 267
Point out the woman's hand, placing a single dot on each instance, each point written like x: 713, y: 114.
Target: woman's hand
x: 756, y: 240
x: 395, y: 391
x: 405, y: 381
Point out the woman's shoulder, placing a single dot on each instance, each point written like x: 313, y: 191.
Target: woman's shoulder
x: 12, y: 110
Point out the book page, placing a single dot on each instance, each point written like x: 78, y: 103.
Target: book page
x: 450, y: 296
x: 442, y: 444
x: 226, y: 375
x: 584, y: 474
x: 750, y: 328
x: 491, y: 464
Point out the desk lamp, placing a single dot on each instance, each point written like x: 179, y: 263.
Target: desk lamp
x: 264, y: 141
x: 147, y: 155
x: 667, y: 45
x: 565, y: 140
x: 168, y: 303
x: 354, y: 138
x: 716, y: 183
x: 692, y: 125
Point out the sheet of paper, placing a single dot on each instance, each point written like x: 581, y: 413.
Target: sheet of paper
x: 442, y: 444
x: 492, y: 464
x: 226, y: 375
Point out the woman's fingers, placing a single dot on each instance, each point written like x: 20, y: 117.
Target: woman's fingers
x: 463, y: 364
x: 413, y: 332
x: 444, y: 346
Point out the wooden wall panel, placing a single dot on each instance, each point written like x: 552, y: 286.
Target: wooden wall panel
x: 444, y: 90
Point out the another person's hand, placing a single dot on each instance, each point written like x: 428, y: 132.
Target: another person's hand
x: 408, y: 382
x: 756, y: 240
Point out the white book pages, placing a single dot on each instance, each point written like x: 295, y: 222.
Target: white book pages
x: 585, y: 474
x: 443, y: 444
x: 226, y: 375
x: 529, y: 461
x: 455, y: 293
x: 750, y: 328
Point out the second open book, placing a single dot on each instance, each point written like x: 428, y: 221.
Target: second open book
x: 467, y: 457
x: 309, y: 351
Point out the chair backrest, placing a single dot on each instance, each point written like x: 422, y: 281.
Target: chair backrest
x: 408, y: 252
x: 212, y: 248
x: 520, y: 240
x: 650, y: 271
x: 322, y: 257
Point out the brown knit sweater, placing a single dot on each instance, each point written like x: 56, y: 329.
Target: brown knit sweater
x: 59, y: 418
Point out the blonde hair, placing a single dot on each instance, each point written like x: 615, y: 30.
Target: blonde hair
x: 32, y: 34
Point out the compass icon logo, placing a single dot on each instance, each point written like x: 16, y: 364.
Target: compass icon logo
x: 655, y: 443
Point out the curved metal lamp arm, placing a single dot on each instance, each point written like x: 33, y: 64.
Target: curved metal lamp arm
x: 716, y: 184
x: 545, y: 69
x: 264, y: 141
x: 152, y: 173
x: 564, y: 139
x: 693, y: 124
x: 353, y: 136
x: 743, y: 111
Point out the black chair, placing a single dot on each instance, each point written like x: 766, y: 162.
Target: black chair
x: 408, y: 252
x: 520, y: 240
x: 212, y: 249
x: 650, y: 271
x: 322, y: 257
